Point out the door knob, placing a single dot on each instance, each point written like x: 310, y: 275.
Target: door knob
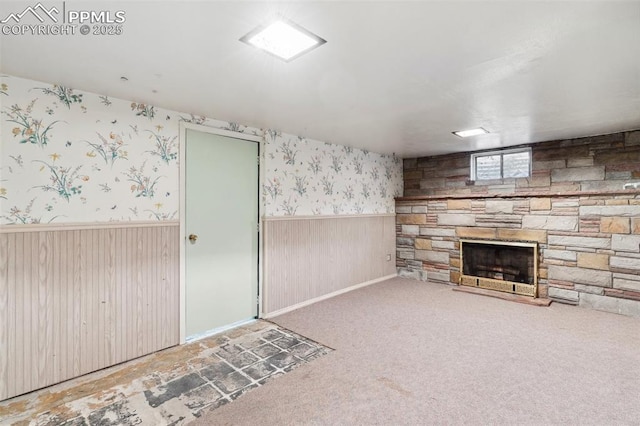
x: 193, y: 238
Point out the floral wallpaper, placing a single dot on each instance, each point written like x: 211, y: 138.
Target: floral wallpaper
x: 307, y: 177
x: 70, y: 156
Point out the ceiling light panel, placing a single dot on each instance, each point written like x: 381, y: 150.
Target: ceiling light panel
x: 470, y: 132
x: 283, y: 39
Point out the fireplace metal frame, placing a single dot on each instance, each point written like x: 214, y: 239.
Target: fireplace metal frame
x: 502, y: 285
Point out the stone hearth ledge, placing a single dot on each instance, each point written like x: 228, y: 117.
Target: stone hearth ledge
x: 528, y: 194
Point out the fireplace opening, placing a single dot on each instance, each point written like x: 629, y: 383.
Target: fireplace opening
x: 500, y: 265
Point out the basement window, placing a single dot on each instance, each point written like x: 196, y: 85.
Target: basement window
x: 504, y: 164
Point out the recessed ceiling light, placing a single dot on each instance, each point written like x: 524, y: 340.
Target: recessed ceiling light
x: 283, y: 39
x: 470, y: 132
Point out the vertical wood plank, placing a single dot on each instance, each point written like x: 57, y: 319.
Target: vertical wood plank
x: 74, y: 301
x: 27, y: 313
x: 308, y: 258
x: 13, y: 346
x: 4, y: 316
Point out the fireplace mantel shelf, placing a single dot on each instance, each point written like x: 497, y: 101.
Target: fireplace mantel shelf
x: 536, y: 194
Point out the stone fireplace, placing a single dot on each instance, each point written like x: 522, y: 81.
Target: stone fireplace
x: 577, y: 212
x: 506, y: 266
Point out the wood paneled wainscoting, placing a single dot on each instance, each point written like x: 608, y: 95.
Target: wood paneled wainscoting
x: 78, y: 298
x: 311, y: 258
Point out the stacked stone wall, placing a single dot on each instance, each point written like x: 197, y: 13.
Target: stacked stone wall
x: 586, y: 225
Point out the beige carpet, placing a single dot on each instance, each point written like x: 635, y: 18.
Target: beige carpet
x: 417, y: 353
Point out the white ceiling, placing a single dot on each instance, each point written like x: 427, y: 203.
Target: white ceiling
x: 393, y: 76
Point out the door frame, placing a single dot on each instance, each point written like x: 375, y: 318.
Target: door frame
x: 259, y: 139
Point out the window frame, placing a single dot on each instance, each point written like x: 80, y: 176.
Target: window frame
x: 501, y: 153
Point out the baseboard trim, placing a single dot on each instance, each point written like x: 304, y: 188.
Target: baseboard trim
x: 324, y: 297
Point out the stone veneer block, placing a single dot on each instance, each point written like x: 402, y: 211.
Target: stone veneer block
x: 492, y: 206
x: 563, y: 294
x: 502, y: 189
x: 580, y: 162
x: 557, y: 204
x: 454, y: 277
x: 523, y: 235
x: 552, y: 223
x: 616, y: 202
x: 534, y: 181
x: 624, y: 210
x: 443, y: 275
x: 423, y: 244
x: 437, y: 232
x: 632, y: 138
x: 419, y: 209
x: 586, y: 242
x: 458, y: 204
x: 610, y: 304
x: 580, y: 275
x: 543, y: 273
x: 499, y: 220
x: 582, y: 288
x: 410, y: 229
x: 405, y: 254
x: 577, y: 174
x: 548, y: 165
x: 629, y: 243
x: 635, y: 225
x: 613, y: 157
x: 618, y: 175
x: 625, y: 263
x: 409, y: 163
x: 411, y: 219
x: 413, y: 174
x: 564, y: 187
x: 443, y: 245
x: 404, y: 241
x: 431, y: 183
x: 403, y: 209
x: 593, y: 261
x: 605, y: 185
x: 433, y: 256
x: 615, y: 225
x: 412, y: 273
x: 479, y: 233
x: 540, y: 204
x: 627, y: 282
x: 453, y: 219
x: 560, y: 255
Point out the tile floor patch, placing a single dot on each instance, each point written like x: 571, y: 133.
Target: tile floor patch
x: 219, y: 369
x: 232, y: 382
x: 272, y: 335
x: 242, y: 360
x: 260, y: 370
x: 171, y: 392
x: 266, y: 351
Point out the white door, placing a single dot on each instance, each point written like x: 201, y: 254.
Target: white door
x: 221, y: 225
